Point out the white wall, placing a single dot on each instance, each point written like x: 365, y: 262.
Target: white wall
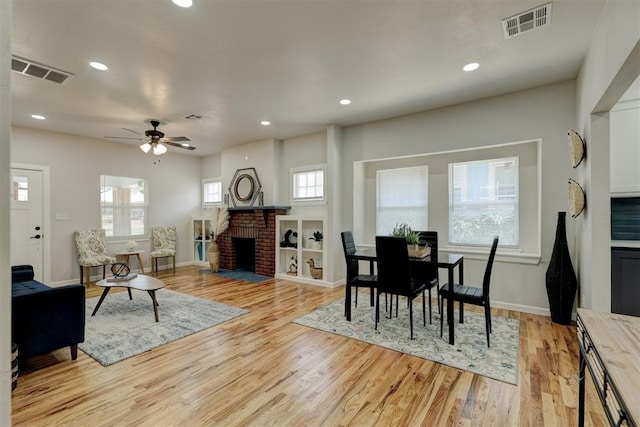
x: 543, y: 113
x: 264, y: 156
x: 75, y: 167
x: 5, y: 275
x: 212, y: 167
x: 611, y: 66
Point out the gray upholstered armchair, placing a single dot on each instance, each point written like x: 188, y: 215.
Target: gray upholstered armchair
x: 163, y: 244
x: 92, y: 252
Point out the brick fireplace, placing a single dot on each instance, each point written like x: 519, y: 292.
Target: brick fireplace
x: 251, y: 223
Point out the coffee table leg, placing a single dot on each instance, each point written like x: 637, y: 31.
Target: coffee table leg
x: 152, y: 294
x: 104, y: 294
x: 129, y: 290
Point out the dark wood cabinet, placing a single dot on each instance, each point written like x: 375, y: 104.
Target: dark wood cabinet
x: 625, y: 281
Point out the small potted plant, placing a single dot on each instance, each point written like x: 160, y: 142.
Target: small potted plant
x: 317, y: 240
x: 412, y: 237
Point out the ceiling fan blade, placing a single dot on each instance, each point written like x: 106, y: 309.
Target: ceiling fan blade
x: 123, y: 137
x: 131, y: 130
x: 176, y: 138
x: 174, y: 144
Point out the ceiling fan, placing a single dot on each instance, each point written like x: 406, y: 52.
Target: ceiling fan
x: 156, y: 142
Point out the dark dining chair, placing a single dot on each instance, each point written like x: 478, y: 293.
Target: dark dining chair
x: 354, y: 278
x: 471, y: 294
x: 427, y: 273
x: 394, y: 276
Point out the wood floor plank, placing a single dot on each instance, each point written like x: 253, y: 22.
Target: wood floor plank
x: 261, y: 369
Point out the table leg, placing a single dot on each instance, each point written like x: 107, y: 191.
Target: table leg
x: 140, y: 263
x: 450, y: 320
x: 104, y: 294
x: 155, y: 303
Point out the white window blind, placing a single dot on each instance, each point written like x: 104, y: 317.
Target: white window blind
x: 308, y: 185
x: 123, y: 206
x: 211, y: 193
x: 402, y: 197
x: 483, y: 202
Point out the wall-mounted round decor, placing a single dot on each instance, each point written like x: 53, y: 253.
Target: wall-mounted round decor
x: 245, y: 187
x: 576, y: 148
x: 576, y: 198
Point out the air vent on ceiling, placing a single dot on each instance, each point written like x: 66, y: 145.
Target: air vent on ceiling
x: 33, y: 69
x: 526, y: 21
x: 195, y: 117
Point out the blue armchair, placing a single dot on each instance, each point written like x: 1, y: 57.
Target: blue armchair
x: 44, y: 319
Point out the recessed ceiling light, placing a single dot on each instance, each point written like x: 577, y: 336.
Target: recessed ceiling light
x: 98, y: 66
x: 471, y: 66
x: 183, y: 3
x: 38, y: 116
x: 345, y: 101
x: 265, y: 123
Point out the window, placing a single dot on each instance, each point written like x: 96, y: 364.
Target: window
x: 123, y: 206
x: 211, y: 192
x: 308, y: 185
x: 20, y: 188
x: 483, y: 202
x: 402, y: 197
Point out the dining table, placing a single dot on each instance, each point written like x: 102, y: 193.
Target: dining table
x: 443, y: 260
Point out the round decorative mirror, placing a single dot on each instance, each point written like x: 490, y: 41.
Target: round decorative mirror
x: 244, y: 187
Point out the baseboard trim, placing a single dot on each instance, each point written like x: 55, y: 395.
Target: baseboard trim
x: 521, y: 308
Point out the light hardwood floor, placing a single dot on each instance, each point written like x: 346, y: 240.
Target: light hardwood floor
x: 260, y: 369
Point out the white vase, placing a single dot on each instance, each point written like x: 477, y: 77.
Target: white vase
x: 316, y: 245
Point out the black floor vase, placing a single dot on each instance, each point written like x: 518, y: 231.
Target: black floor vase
x: 561, y: 279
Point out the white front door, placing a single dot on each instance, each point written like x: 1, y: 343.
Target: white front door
x: 26, y: 224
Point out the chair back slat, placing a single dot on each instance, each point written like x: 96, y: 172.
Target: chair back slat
x: 487, y: 272
x: 427, y: 272
x: 430, y: 238
x: 394, y: 274
x: 349, y: 247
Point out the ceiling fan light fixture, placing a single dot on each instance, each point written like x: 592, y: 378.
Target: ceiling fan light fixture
x: 145, y: 147
x: 159, y: 149
x: 183, y: 3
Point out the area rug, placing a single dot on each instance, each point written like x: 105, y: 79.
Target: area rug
x: 247, y: 276
x: 469, y: 353
x: 122, y: 328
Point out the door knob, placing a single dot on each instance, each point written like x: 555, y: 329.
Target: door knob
x: 37, y: 236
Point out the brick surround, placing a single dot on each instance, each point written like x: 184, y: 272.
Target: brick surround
x: 257, y: 223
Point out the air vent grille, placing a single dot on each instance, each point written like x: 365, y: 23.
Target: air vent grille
x: 195, y: 117
x: 40, y: 71
x: 526, y: 21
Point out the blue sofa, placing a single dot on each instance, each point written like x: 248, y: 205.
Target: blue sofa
x: 44, y: 319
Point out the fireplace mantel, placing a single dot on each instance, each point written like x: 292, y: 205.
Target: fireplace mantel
x: 257, y: 208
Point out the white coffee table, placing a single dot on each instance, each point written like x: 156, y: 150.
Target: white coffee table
x: 141, y: 282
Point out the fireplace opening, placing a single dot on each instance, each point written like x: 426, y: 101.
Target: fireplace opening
x: 245, y: 253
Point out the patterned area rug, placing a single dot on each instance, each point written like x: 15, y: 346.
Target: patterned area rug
x: 247, y: 276
x: 122, y: 328
x: 469, y: 353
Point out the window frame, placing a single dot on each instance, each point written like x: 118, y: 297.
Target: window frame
x: 144, y: 206
x: 293, y: 172
x: 493, y: 202
x: 206, y: 204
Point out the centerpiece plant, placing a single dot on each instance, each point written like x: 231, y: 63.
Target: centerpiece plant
x: 404, y: 230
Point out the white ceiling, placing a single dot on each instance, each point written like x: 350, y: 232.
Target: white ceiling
x: 238, y: 62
